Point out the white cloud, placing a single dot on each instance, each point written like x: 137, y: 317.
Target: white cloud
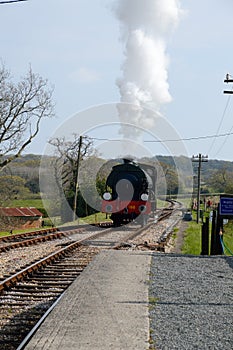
x: 85, y: 75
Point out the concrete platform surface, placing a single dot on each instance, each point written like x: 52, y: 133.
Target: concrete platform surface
x: 105, y: 308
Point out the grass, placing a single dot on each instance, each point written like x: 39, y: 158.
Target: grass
x: 91, y: 219
x: 94, y: 218
x: 37, y: 203
x: 153, y: 300
x: 16, y: 231
x: 192, y: 237
x: 98, y: 217
x: 228, y: 237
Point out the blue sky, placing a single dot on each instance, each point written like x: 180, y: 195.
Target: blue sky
x: 75, y: 45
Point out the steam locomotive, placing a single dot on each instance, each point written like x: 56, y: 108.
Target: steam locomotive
x: 130, y: 192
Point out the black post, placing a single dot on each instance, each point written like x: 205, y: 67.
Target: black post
x: 213, y: 235
x: 216, y: 232
x: 205, y: 238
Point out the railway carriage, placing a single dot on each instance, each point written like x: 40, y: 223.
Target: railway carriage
x: 130, y: 192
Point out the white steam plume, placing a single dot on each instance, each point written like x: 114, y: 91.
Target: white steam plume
x: 145, y: 25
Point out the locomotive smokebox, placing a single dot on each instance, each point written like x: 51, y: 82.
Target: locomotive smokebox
x: 132, y: 194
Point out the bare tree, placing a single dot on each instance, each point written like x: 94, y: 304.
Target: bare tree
x: 22, y: 106
x: 68, y: 155
x: 68, y: 152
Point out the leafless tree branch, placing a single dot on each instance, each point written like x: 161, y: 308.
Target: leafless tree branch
x: 22, y: 106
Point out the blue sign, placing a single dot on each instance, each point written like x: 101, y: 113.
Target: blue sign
x: 226, y: 206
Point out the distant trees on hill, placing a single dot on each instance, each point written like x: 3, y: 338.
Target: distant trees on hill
x: 20, y: 179
x: 221, y: 181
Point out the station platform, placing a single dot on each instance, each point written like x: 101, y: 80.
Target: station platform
x: 106, y: 307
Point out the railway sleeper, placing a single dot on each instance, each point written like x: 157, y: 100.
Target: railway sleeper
x: 20, y: 324
x: 16, y: 335
x: 9, y: 342
x: 4, y: 249
x: 50, y: 270
x: 58, y: 283
x: 39, y: 299
x: 22, y: 301
x: 49, y: 283
x: 69, y: 264
x: 16, y: 303
x: 10, y: 308
x: 71, y: 270
x: 49, y: 277
x: 42, y: 293
x: 23, y: 287
x: 26, y: 319
x: 66, y: 270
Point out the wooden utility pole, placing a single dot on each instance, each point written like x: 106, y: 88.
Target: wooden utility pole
x: 228, y: 80
x: 77, y: 171
x: 200, y: 158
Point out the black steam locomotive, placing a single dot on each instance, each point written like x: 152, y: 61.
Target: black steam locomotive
x: 130, y: 192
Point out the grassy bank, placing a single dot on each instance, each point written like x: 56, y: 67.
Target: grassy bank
x: 228, y: 237
x: 192, y: 238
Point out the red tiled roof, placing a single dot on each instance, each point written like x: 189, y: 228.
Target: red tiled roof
x: 22, y: 211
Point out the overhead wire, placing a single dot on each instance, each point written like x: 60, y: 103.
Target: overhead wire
x: 10, y: 2
x: 193, y: 138
x: 169, y: 140
x: 220, y: 124
x: 226, y: 138
x: 224, y: 142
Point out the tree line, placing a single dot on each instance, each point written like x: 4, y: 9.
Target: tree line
x: 20, y: 179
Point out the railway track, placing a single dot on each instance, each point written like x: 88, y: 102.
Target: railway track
x: 35, y: 237
x: 26, y: 235
x: 30, y: 238
x: 28, y: 294
x: 157, y: 233
x: 37, y: 289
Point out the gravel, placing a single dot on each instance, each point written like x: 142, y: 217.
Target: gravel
x: 17, y: 258
x: 191, y: 302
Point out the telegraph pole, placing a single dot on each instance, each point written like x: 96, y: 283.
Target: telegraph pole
x: 199, y: 158
x: 77, y: 171
x: 228, y: 80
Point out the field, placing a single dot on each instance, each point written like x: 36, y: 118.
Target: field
x: 37, y: 203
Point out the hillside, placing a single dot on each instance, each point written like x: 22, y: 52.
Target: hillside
x: 21, y: 177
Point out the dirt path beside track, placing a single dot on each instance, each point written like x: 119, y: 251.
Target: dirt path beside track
x: 176, y: 243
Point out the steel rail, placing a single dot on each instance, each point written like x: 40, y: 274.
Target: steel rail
x: 19, y: 276
x: 43, y: 238
x: 131, y: 236
x: 26, y: 234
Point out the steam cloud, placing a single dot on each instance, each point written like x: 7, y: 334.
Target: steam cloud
x: 146, y: 26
